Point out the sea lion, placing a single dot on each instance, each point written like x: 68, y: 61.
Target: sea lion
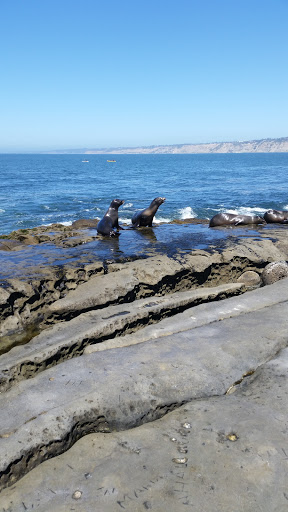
x: 276, y: 216
x: 145, y: 217
x: 231, y: 219
x: 109, y: 222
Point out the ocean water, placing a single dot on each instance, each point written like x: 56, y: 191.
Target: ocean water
x: 43, y: 189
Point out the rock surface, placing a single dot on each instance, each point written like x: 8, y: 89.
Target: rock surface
x: 216, y: 454
x: 162, y: 379
x: 223, y: 449
x: 274, y: 271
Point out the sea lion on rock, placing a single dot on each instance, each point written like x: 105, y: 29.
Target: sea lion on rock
x: 231, y: 219
x: 109, y: 222
x: 276, y: 216
x: 145, y: 217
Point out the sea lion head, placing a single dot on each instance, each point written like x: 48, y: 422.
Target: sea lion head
x: 258, y: 219
x: 116, y: 203
x: 158, y: 200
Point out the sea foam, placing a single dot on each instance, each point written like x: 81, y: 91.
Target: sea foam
x: 159, y: 220
x: 187, y: 213
x: 245, y: 210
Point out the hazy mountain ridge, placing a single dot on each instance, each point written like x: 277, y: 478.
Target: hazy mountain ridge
x: 279, y: 145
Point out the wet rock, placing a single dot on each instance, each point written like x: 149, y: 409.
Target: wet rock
x: 85, y: 223
x: 274, y: 272
x: 9, y: 245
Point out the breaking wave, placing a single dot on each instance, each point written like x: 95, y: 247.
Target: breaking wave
x: 187, y: 213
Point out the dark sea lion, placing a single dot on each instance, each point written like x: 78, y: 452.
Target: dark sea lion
x: 145, y: 217
x: 276, y: 216
x: 109, y: 222
x: 231, y: 219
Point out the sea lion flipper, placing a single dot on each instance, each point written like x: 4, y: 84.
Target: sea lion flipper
x: 135, y: 224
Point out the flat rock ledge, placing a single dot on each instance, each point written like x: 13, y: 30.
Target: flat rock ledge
x: 220, y: 453
x: 123, y: 388
x: 29, y: 306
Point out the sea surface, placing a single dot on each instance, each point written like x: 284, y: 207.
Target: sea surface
x: 43, y: 189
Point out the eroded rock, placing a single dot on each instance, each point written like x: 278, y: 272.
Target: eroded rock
x: 274, y: 272
x: 250, y: 278
x: 231, y: 457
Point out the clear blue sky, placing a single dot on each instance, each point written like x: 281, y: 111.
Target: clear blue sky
x: 95, y: 73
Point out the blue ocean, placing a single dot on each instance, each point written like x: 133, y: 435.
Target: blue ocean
x: 43, y: 189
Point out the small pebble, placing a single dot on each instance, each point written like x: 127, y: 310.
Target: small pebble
x: 76, y: 495
x: 180, y: 461
x: 232, y: 436
x: 187, y: 425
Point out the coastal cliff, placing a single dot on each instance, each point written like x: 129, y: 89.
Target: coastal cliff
x: 279, y: 145
x: 252, y: 146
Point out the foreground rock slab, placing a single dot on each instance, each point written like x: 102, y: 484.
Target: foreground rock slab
x: 123, y: 388
x: 67, y: 340
x: 218, y: 454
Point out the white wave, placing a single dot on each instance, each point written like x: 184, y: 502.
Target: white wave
x: 246, y: 210
x: 187, y: 213
x: 285, y: 207
x: 161, y: 219
x: 46, y: 207
x: 123, y: 220
x: 65, y: 223
x: 127, y: 205
x: 235, y: 212
x: 1, y: 210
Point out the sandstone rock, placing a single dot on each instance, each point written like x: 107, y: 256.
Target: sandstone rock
x: 85, y: 223
x: 274, y: 272
x: 250, y: 279
x: 8, y: 245
x: 4, y: 296
x: 21, y: 287
x: 224, y: 454
x: 121, y: 389
x: 10, y: 324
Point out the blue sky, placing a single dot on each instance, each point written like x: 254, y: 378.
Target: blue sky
x: 126, y: 73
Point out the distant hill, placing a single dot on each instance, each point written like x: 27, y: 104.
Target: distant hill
x: 251, y: 146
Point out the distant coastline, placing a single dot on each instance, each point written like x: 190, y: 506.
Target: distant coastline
x: 279, y: 145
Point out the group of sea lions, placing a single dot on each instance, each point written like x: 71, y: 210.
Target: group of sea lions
x: 230, y: 219
x: 107, y: 225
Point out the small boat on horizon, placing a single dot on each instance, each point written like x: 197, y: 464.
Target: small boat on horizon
x: 111, y: 160
x: 85, y: 161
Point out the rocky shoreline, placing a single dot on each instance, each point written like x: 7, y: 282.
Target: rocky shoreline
x: 100, y: 316
x: 30, y: 303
